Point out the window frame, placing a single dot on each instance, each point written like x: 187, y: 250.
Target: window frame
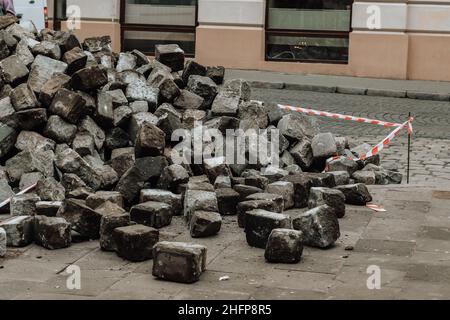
x: 54, y: 15
x: 303, y: 33
x: 154, y: 27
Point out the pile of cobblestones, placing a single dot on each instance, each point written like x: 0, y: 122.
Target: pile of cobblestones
x: 91, y: 132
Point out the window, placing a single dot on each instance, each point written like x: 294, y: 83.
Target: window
x: 146, y: 23
x: 59, y: 13
x: 308, y: 30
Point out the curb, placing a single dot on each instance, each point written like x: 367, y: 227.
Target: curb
x: 426, y: 96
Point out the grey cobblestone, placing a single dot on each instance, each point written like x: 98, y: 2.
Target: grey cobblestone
x: 432, y: 118
x: 430, y: 148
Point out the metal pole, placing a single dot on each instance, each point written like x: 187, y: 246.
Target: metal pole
x: 409, y: 153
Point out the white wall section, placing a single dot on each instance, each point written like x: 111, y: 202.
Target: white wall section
x: 432, y: 17
x: 393, y: 16
x: 229, y: 12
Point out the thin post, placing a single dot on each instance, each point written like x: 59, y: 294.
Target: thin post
x: 409, y: 153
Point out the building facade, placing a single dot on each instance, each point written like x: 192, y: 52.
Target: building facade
x: 396, y: 39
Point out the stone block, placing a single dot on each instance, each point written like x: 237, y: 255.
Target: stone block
x: 150, y: 141
x: 188, y: 100
x: 343, y: 164
x: 152, y: 214
x: 83, y: 219
x: 340, y: 177
x: 13, y: 71
x: 68, y: 105
x: 52, y: 233
x: 324, y: 145
x: 83, y: 144
x: 197, y: 200
x: 260, y: 223
x: 138, y: 120
x: 192, y: 68
x: 19, y: 231
x: 170, y: 55
x: 217, y: 74
x: 245, y: 190
x: 284, y: 189
x: 326, y: 196
x: 135, y: 243
x: 122, y: 160
x: 68, y: 161
x: 127, y: 61
x: 59, y: 130
x: 276, y: 199
x: 48, y: 208
x: 222, y: 182
x: 32, y: 119
x: 172, y: 177
x: 47, y: 48
x: 179, y: 262
x: 356, y: 194
x: 144, y: 169
x: 3, y: 241
x: 302, y: 185
x: 88, y: 79
x: 101, y: 197
x: 205, y: 224
x: 141, y: 91
x: 49, y: 189
x: 24, y: 205
x: 320, y: 227
x: 163, y: 196
x: 42, y: 70
x: 203, y: 87
x: 250, y: 205
x: 225, y: 104
x: 113, y: 217
x: 23, y: 98
x: 366, y: 177
x: 88, y: 125
x: 227, y: 200
x: 297, y: 126
x: 8, y: 138
x: 76, y: 60
x: 254, y: 111
x: 284, y: 246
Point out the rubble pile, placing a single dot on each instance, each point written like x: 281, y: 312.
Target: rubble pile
x: 92, y: 130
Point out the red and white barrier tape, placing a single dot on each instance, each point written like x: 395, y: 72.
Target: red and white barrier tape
x: 375, y: 150
x: 386, y: 141
x: 383, y: 144
x: 313, y: 112
x: 26, y: 190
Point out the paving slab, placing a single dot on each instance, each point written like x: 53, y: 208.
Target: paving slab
x: 413, y: 89
x: 409, y: 250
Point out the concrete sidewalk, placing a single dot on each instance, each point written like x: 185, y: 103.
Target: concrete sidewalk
x: 409, y: 243
x: 413, y: 89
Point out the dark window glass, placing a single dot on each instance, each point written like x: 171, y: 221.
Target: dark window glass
x: 308, y: 30
x: 311, y: 4
x: 145, y: 41
x: 307, y: 48
x: 150, y: 22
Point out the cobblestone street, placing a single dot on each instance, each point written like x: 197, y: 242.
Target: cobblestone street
x: 430, y: 156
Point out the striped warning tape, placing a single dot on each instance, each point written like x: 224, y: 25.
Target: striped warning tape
x: 386, y: 141
x: 375, y: 150
x: 313, y: 112
x: 26, y: 190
